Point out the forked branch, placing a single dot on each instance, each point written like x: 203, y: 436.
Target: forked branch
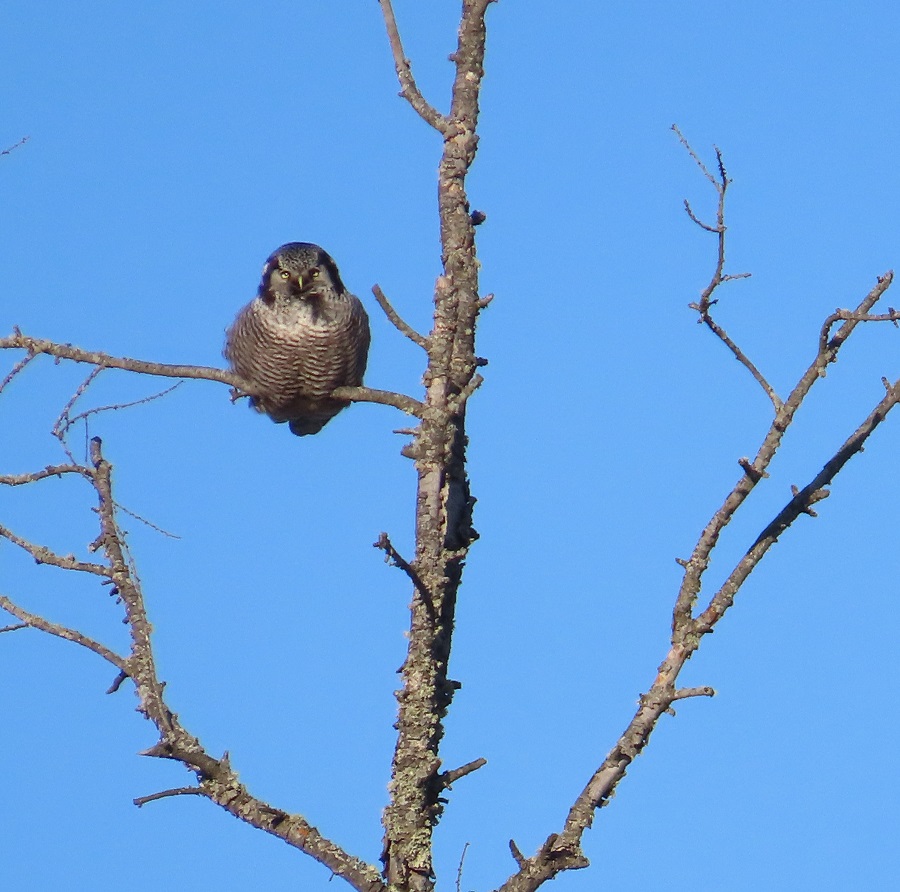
x: 562, y: 851
x: 215, y: 778
x: 443, y: 522
x: 720, y: 183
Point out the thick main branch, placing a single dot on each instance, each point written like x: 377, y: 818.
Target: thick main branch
x: 443, y: 502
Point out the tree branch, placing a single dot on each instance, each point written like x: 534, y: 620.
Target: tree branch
x: 15, y: 627
x: 43, y: 555
x: 392, y: 556
x: 217, y: 781
x: 65, y: 421
x: 852, y: 316
x: 165, y: 794
x: 757, y: 469
x: 384, y: 397
x: 563, y: 851
x: 49, y: 471
x: 444, y: 504
x: 448, y: 778
x: 409, y: 90
x: 15, y: 370
x: 10, y: 149
x: 33, y: 621
x: 403, y: 327
x: 721, y: 184
x: 663, y: 692
x: 685, y: 693
x: 36, y: 346
x: 800, y: 503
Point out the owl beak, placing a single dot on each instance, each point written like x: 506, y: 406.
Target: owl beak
x: 307, y: 286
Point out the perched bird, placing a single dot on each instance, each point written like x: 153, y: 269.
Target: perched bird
x: 302, y: 336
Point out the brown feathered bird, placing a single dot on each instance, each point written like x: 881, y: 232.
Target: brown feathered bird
x: 302, y: 336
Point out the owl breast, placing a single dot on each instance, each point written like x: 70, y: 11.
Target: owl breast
x: 295, y: 356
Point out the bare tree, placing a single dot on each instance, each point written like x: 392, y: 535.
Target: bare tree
x: 443, y: 529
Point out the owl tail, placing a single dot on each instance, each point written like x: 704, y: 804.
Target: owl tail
x: 310, y: 424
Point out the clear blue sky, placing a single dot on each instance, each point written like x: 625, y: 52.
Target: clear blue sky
x: 172, y: 147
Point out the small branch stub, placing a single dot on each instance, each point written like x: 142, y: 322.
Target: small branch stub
x: 448, y: 778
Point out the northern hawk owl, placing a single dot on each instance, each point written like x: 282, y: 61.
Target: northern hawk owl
x: 302, y: 336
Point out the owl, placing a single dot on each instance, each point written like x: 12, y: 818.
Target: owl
x: 302, y: 336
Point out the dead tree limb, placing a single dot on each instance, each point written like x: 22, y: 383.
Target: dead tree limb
x: 37, y: 346
x: 562, y: 851
x: 443, y: 521
x: 215, y: 778
x: 443, y: 503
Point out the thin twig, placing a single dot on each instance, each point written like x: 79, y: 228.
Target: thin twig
x: 117, y: 683
x: 15, y: 627
x: 143, y: 520
x: 690, y: 212
x: 15, y: 370
x: 83, y: 416
x: 9, y: 149
x: 459, y: 869
x: 164, y: 794
x: 719, y: 277
x: 393, y: 557
x: 43, y: 555
x: 474, y: 383
x: 34, y: 621
x: 739, y: 355
x: 397, y: 321
x: 829, y: 347
x: 847, y: 315
x: 49, y: 471
x: 683, y: 140
x: 60, y: 426
x: 409, y: 90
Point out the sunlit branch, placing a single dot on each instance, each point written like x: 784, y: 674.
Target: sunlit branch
x: 33, y: 621
x: 409, y: 90
x: 37, y: 346
x: 397, y: 321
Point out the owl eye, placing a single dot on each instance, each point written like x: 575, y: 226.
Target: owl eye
x: 285, y: 274
x: 314, y: 273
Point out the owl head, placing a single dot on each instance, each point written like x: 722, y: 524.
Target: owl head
x: 299, y: 271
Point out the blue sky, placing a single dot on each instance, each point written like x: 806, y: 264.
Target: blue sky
x: 172, y: 147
